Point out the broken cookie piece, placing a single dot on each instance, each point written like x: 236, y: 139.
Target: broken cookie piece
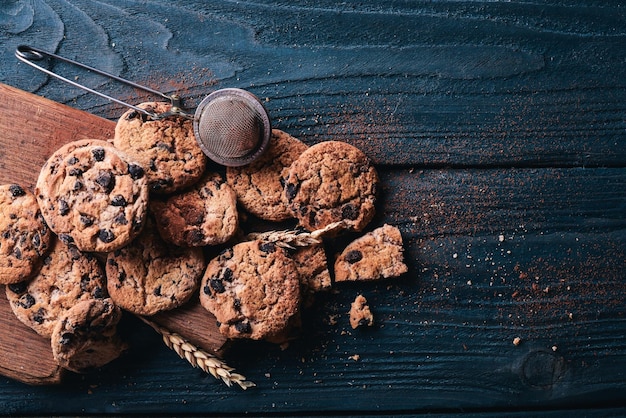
x: 360, y: 314
x: 376, y: 255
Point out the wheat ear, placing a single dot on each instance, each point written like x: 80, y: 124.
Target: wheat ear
x: 292, y: 239
x: 200, y: 358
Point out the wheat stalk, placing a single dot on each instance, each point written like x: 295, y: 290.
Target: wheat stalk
x: 200, y: 358
x: 292, y: 239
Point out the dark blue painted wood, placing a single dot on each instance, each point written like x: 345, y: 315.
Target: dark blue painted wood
x: 499, y: 131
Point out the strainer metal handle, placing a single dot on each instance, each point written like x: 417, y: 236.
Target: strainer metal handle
x: 29, y: 54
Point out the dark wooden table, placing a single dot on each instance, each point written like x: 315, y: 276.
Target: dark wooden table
x: 499, y: 130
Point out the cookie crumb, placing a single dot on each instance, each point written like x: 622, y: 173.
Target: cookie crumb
x: 360, y: 314
x: 517, y: 341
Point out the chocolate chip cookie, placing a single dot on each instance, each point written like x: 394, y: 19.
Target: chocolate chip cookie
x: 376, y: 255
x: 252, y: 289
x: 92, y: 195
x: 67, y: 277
x: 166, y: 148
x: 85, y: 336
x: 332, y: 181
x: 24, y: 235
x: 205, y: 214
x: 259, y: 185
x: 149, y: 275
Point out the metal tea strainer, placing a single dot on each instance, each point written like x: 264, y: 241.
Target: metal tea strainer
x: 231, y: 125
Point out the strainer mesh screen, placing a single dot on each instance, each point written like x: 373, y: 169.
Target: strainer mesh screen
x: 229, y: 127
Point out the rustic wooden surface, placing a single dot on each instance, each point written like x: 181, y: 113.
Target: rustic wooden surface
x: 499, y: 132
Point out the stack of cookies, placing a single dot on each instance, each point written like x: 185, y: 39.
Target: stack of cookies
x: 141, y: 224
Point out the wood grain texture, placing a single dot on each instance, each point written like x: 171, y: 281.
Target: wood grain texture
x: 499, y: 132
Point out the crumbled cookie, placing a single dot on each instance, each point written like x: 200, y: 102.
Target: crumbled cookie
x: 166, y: 148
x: 206, y: 214
x: 24, y: 235
x: 85, y: 336
x: 313, y: 269
x: 360, y: 314
x: 259, y: 185
x: 67, y: 277
x: 332, y: 181
x: 376, y: 255
x: 253, y: 290
x: 92, y: 195
x: 149, y: 275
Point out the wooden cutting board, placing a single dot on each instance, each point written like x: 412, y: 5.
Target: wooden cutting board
x: 31, y: 129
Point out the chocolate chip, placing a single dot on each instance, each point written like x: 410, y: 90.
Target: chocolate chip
x: 86, y: 220
x: 136, y: 172
x: 84, y: 282
x: 106, y: 235
x: 291, y: 190
x: 66, y: 239
x: 75, y: 172
x: 349, y: 211
x: 267, y: 247
x: 72, y: 160
x: 16, y: 190
x: 77, y: 185
x: 195, y: 236
x: 121, y: 219
x: 237, y: 304
x: 312, y: 218
x: 26, y: 301
x: 118, y: 200
x: 66, y: 338
x: 161, y: 184
x: 18, y: 287
x: 354, y: 256
x: 64, y: 208
x: 39, y: 316
x: 227, y: 274
x: 225, y: 254
x: 165, y: 147
x: 37, y: 240
x: 17, y: 253
x: 207, y: 291
x: 106, y: 180
x: 243, y: 327
x: 157, y: 291
x: 217, y: 285
x: 132, y: 115
x: 98, y: 154
x: 98, y: 293
x: 152, y: 164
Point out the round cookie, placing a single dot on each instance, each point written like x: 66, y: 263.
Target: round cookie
x: 85, y: 337
x: 167, y: 148
x: 205, y: 214
x: 330, y: 182
x: 259, y: 185
x: 92, y: 195
x: 149, y: 275
x: 24, y: 235
x: 253, y: 290
x: 66, y: 277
